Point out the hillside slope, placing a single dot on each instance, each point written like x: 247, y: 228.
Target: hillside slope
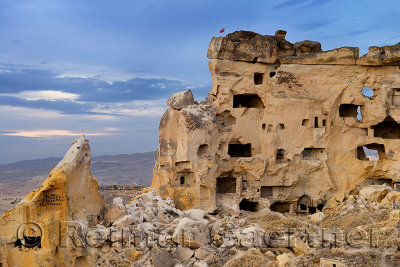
x: 133, y: 169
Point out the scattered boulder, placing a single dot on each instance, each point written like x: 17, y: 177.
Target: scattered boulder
x: 123, y: 221
x: 251, y: 257
x: 284, y: 260
x: 192, y: 233
x: 253, y: 236
x: 133, y: 254
x: 391, y: 197
x: 182, y: 253
x: 195, y: 214
x: 204, y: 253
x: 317, y: 217
x: 162, y: 258
x: 116, y: 211
x: 375, y: 192
x: 335, y: 201
x: 200, y: 264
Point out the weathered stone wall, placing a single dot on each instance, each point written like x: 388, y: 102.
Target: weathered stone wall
x: 281, y: 125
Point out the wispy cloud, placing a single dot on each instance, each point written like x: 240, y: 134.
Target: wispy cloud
x: 133, y: 108
x: 47, y: 114
x: 49, y: 95
x: 30, y: 112
x: 51, y: 133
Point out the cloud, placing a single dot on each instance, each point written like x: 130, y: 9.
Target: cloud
x: 40, y: 113
x: 49, y: 84
x: 133, y: 108
x: 48, y: 95
x: 50, y: 133
x: 29, y: 112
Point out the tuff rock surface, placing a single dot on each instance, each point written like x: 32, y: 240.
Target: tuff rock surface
x: 70, y: 193
x: 285, y: 125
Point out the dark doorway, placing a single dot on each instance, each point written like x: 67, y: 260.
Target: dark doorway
x: 239, y: 150
x: 258, y: 78
x: 371, y: 152
x: 248, y: 205
x: 387, y: 129
x: 247, y: 101
x: 282, y: 207
x: 348, y: 110
x: 280, y: 156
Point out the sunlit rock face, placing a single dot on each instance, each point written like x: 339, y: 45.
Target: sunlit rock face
x: 70, y: 193
x: 283, y: 124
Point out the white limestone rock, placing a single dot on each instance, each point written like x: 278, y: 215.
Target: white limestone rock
x: 192, y: 233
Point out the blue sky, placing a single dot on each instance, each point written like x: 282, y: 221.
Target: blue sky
x: 106, y: 68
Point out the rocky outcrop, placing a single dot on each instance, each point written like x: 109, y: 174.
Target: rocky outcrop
x: 378, y: 56
x: 285, y: 125
x: 33, y: 231
x: 180, y: 100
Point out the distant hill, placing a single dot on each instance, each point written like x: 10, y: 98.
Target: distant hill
x: 131, y: 169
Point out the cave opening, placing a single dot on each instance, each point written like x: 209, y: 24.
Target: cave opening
x: 258, y: 78
x: 371, y: 152
x: 349, y: 110
x: 311, y: 153
x: 280, y: 155
x: 387, y: 129
x: 281, y: 207
x: 202, y: 150
x: 305, y: 122
x: 239, y: 150
x: 312, y: 210
x: 320, y: 207
x: 248, y: 205
x: 247, y: 101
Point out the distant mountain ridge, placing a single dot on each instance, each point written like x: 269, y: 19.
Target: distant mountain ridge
x: 133, y: 169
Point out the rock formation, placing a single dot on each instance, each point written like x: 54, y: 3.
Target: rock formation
x: 31, y: 231
x: 280, y: 129
x: 284, y: 124
x: 65, y: 224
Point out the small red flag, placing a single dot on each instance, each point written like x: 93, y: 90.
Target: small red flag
x: 222, y: 30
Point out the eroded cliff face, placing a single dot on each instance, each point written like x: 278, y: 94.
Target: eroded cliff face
x: 283, y: 124
x: 34, y: 233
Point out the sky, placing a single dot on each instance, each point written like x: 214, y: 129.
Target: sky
x: 106, y: 68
